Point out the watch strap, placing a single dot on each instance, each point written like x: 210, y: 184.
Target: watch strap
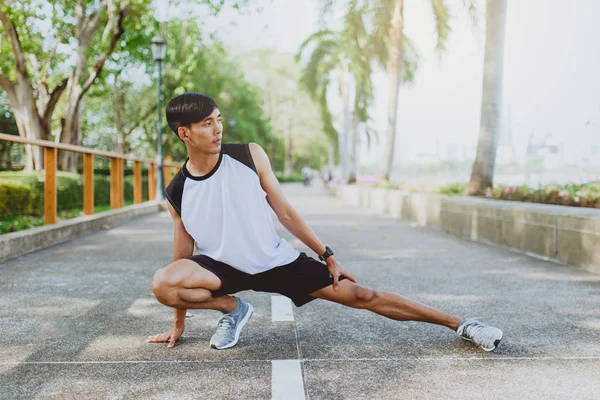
x: 328, y: 253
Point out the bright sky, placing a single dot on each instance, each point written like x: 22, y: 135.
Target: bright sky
x: 551, y: 82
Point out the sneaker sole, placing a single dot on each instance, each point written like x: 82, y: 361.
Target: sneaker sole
x: 496, y: 342
x: 238, y: 330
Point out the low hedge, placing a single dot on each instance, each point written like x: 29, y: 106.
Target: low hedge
x: 23, y: 193
x: 292, y: 178
x: 574, y: 195
x: 15, y: 199
x: 571, y: 194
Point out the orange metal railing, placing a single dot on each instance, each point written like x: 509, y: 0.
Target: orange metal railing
x: 116, y: 175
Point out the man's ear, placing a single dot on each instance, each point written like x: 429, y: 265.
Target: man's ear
x: 182, y: 132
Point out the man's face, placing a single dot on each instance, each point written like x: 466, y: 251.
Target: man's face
x: 206, y: 134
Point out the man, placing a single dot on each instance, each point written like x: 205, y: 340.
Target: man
x: 221, y: 202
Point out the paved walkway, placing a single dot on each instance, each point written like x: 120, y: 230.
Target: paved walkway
x: 74, y: 319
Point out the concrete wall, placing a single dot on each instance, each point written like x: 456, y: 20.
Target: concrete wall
x: 568, y: 235
x: 22, y: 242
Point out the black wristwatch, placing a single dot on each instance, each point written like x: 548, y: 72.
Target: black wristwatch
x: 328, y: 253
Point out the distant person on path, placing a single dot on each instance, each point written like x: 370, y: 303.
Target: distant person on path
x: 326, y: 177
x: 219, y: 202
x: 307, y: 174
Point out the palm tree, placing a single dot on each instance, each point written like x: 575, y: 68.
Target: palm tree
x: 344, y: 54
x: 389, y: 32
x: 328, y: 60
x: 482, y: 174
x: 360, y: 55
x: 390, y: 47
x: 350, y: 52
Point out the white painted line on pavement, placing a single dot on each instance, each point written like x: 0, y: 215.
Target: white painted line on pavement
x: 281, y: 309
x: 286, y: 380
x: 402, y: 359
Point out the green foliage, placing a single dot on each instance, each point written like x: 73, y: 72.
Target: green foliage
x: 50, y: 32
x: 442, y: 27
x: 205, y: 68
x: 324, y: 60
x: 453, y: 189
x: 25, y: 222
x: 20, y: 223
x: 15, y: 199
x: 379, y: 14
x: 69, y: 191
x: 8, y: 126
x: 354, y: 46
x: 575, y: 195
x: 192, y: 64
x: 287, y: 107
x: 386, y: 185
x: 295, y: 177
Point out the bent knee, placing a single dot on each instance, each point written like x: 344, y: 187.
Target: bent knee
x: 163, y: 283
x: 363, y: 296
x: 159, y: 287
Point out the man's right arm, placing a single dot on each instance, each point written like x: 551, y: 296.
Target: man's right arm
x: 183, y: 246
x: 183, y: 243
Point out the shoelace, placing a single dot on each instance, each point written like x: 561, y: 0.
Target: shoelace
x: 225, y: 322
x: 473, y: 329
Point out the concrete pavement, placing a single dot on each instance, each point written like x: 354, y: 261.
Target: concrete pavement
x: 74, y: 319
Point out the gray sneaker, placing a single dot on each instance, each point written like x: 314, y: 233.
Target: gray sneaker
x: 487, y: 337
x: 230, y: 325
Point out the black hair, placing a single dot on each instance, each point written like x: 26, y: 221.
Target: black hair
x: 188, y: 108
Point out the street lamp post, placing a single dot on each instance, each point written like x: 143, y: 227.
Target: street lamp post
x: 159, y: 51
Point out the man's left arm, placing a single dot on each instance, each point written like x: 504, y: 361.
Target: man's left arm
x: 288, y: 216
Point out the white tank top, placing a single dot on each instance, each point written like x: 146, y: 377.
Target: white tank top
x: 227, y: 214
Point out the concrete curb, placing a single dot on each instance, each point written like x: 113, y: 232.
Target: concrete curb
x: 18, y: 243
x: 565, y: 235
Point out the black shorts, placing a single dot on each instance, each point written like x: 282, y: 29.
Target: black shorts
x: 294, y: 280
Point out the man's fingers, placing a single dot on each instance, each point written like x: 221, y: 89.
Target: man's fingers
x: 171, y: 343
x: 158, y: 338
x: 347, y: 275
x: 335, y: 282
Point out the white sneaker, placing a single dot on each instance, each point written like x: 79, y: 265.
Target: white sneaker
x: 487, y: 337
x: 230, y: 325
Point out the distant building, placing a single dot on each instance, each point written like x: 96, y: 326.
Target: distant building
x: 545, y: 147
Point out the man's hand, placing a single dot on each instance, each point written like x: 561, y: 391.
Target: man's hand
x: 172, y: 336
x: 336, y: 270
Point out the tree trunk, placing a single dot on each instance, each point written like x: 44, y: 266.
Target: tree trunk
x: 354, y: 151
x: 29, y: 123
x: 69, y: 132
x: 482, y: 174
x: 120, y: 136
x: 343, y: 140
x: 394, y: 72
x: 67, y: 160
x: 81, y: 79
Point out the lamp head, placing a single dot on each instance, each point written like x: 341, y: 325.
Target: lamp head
x: 159, y: 48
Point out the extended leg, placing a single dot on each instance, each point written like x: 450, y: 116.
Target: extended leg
x: 387, y: 304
